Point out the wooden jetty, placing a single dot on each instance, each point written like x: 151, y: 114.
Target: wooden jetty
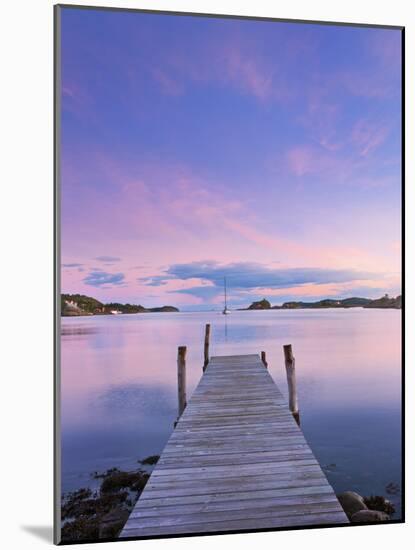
x: 237, y: 460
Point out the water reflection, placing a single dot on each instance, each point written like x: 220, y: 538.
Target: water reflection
x: 76, y: 330
x: 136, y: 400
x: 119, y: 385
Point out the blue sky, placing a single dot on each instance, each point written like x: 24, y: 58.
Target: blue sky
x: 220, y: 145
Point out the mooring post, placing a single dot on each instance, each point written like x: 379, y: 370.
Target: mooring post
x: 181, y: 378
x: 207, y: 340
x: 292, y: 385
x: 264, y: 359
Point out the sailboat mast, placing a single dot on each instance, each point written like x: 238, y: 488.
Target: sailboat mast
x: 225, y: 292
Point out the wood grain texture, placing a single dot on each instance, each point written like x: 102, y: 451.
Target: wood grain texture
x: 237, y: 460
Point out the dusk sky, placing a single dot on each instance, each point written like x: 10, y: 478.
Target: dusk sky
x: 194, y: 148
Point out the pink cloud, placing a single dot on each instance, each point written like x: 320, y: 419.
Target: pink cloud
x: 397, y: 247
x: 373, y: 84
x: 329, y: 160
x: 295, y: 252
x: 68, y: 91
x: 246, y: 73
x: 335, y: 166
x: 321, y: 116
x: 224, y: 61
x: 306, y: 159
x: 312, y: 290
x: 155, y: 214
x: 76, y: 99
x: 367, y: 136
x: 300, y: 160
x: 168, y: 85
x: 385, y: 47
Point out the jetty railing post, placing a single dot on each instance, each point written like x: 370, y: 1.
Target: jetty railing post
x: 292, y: 384
x: 206, y: 350
x: 264, y: 359
x: 181, y: 378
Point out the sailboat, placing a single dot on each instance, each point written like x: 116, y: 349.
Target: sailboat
x: 225, y: 311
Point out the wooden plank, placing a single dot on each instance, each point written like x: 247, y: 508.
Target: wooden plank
x: 152, y: 508
x: 312, y: 480
x: 282, y: 472
x: 276, y: 430
x: 270, y: 511
x: 232, y: 459
x: 210, y: 450
x: 224, y: 446
x: 216, y: 471
x: 238, y: 496
x: 237, y: 460
x: 246, y: 524
x: 225, y: 429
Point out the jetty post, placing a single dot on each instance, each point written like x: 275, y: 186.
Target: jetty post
x: 292, y: 384
x: 264, y: 359
x: 181, y: 378
x: 206, y: 349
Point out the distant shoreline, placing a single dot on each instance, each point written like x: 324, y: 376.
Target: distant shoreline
x: 385, y: 302
x: 79, y: 305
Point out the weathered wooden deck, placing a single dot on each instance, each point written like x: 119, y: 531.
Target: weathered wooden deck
x: 236, y: 461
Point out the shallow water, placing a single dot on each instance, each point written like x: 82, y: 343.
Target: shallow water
x: 119, y: 392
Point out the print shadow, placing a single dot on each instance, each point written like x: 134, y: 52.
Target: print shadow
x: 43, y: 532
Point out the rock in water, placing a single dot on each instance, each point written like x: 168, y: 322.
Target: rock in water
x: 369, y: 516
x: 351, y: 503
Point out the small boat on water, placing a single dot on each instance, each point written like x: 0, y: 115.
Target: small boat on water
x: 225, y: 311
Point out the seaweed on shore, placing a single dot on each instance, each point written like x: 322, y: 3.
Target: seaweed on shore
x: 101, y: 514
x: 380, y: 504
x: 102, y: 475
x: 135, y: 481
x: 150, y: 460
x: 392, y: 488
x: 80, y: 529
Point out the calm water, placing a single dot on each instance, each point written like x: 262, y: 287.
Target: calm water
x: 119, y: 386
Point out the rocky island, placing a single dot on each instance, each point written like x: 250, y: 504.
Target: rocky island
x: 76, y: 305
x: 261, y: 304
x: 384, y: 303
